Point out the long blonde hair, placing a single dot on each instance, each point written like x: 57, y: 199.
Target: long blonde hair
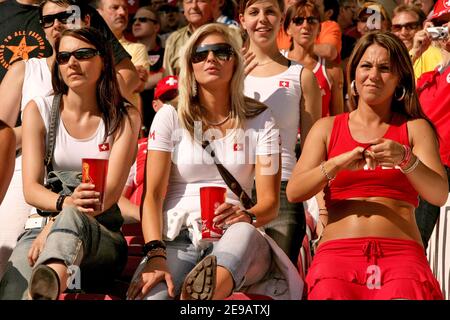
x: 189, y: 109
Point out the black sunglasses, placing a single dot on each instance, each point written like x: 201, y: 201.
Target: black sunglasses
x: 48, y: 20
x: 80, y: 54
x: 408, y: 26
x: 222, y: 51
x: 143, y: 20
x: 298, y: 21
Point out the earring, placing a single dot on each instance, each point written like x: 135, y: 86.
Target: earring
x: 194, y: 89
x: 402, y: 96
x: 353, y: 88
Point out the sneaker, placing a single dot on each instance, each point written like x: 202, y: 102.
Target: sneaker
x: 44, y: 283
x: 200, y: 283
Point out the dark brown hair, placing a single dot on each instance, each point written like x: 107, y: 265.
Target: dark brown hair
x: 109, y: 99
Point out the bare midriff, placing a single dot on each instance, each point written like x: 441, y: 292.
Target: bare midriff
x: 371, y: 217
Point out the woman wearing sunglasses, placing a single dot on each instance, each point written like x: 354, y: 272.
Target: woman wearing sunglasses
x: 243, y: 136
x: 302, y: 23
x: 27, y: 79
x: 292, y: 93
x: 76, y: 240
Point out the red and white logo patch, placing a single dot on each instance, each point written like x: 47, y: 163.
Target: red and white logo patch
x: 152, y: 135
x: 283, y: 84
x: 103, y: 147
x: 238, y: 147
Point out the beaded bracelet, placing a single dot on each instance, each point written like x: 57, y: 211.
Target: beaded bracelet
x: 149, y: 246
x: 156, y: 252
x: 412, y: 167
x: 325, y: 173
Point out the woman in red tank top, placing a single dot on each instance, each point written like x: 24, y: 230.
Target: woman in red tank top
x: 302, y: 23
x: 372, y: 163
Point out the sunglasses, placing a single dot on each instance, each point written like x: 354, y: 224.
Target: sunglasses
x: 298, y: 21
x: 48, y: 20
x: 80, y: 54
x: 408, y: 26
x: 143, y: 20
x: 222, y: 51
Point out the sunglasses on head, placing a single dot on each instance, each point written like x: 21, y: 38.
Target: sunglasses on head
x: 143, y: 20
x: 80, y: 54
x: 48, y: 20
x: 298, y: 21
x: 222, y: 51
x: 408, y: 26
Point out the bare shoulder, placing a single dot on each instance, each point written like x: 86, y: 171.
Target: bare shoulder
x: 419, y: 125
x: 323, y: 126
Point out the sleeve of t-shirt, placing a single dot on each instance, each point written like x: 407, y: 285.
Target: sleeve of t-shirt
x: 330, y: 33
x: 268, y: 138
x: 98, y: 23
x: 161, y: 132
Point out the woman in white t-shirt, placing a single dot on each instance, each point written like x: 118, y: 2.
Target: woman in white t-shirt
x: 292, y: 94
x: 245, y: 139
x: 83, y: 233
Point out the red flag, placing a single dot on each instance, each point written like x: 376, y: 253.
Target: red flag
x: 103, y: 147
x: 284, y: 84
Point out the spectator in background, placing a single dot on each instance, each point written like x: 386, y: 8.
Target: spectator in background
x: 7, y: 155
x: 115, y: 13
x: 225, y: 12
x: 425, y: 5
x: 329, y: 42
x: 171, y: 20
x: 434, y: 94
x: 146, y: 27
x: 406, y: 21
x: 166, y: 92
x: 372, y: 16
x: 304, y: 32
x: 292, y: 94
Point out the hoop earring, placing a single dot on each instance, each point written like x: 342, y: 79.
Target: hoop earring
x: 402, y: 96
x: 194, y: 89
x: 353, y: 88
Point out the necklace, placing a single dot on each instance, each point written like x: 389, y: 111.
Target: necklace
x: 216, y: 124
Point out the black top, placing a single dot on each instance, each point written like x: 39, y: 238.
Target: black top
x: 22, y: 37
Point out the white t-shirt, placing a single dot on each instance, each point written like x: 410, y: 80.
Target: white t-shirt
x: 68, y: 150
x: 192, y: 167
x: 282, y: 94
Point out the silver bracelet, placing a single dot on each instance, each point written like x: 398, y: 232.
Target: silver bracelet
x: 412, y: 167
x: 325, y: 173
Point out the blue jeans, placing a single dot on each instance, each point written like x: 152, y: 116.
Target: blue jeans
x: 289, y: 227
x: 242, y: 250
x: 76, y: 239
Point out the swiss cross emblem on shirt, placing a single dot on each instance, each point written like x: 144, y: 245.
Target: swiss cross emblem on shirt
x: 238, y: 147
x: 103, y: 147
x: 283, y: 84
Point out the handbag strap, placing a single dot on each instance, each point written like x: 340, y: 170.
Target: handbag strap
x: 51, y: 134
x: 231, y: 181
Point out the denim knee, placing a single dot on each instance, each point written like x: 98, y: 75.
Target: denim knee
x: 237, y: 249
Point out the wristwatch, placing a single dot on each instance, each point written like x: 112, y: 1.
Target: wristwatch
x: 251, y: 215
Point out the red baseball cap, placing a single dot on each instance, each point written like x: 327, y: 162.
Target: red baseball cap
x: 441, y: 8
x: 166, y: 84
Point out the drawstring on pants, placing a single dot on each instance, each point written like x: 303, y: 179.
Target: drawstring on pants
x: 372, y: 250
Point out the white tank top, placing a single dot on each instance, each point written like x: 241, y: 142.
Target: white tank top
x: 282, y: 94
x: 68, y: 150
x: 37, y: 80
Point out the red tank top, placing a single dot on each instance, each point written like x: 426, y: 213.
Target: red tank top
x: 381, y: 182
x: 320, y: 72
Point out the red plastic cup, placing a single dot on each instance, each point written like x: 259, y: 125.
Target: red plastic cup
x: 210, y: 199
x: 95, y: 171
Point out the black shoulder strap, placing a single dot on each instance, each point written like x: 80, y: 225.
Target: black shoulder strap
x: 231, y: 182
x: 51, y: 134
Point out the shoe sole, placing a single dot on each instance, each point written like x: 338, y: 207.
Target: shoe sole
x: 44, y: 284
x: 200, y: 283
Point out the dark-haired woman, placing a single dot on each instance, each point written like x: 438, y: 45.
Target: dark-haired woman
x: 80, y: 244
x: 373, y: 163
